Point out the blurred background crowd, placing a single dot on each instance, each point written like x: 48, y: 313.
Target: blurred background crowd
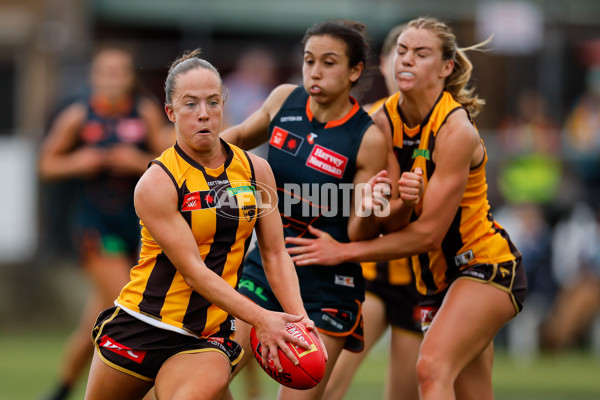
x: 541, y: 124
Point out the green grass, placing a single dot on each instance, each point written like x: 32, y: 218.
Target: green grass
x: 29, y: 360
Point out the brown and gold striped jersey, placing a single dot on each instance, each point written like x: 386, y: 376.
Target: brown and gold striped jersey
x: 220, y: 207
x: 473, y: 236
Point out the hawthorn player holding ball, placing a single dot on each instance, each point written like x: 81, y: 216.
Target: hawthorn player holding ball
x: 172, y: 326
x: 311, y: 362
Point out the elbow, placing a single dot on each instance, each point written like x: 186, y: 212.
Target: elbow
x: 189, y: 281
x: 430, y: 236
x: 432, y: 241
x: 363, y: 230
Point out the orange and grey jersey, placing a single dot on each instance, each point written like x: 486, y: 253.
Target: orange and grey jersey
x: 473, y: 236
x: 220, y: 207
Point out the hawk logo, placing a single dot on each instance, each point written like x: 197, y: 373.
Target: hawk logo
x: 249, y: 212
x: 504, y: 272
x: 200, y: 200
x: 464, y: 258
x: 286, y: 141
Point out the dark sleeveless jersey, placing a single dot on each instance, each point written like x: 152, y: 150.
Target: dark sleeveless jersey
x: 106, y: 126
x: 473, y: 237
x: 220, y: 208
x: 314, y: 165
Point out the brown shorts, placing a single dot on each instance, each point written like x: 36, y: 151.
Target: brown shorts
x: 508, y: 276
x: 401, y: 303
x: 139, y: 349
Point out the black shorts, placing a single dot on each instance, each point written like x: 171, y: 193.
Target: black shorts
x: 509, y: 277
x: 401, y: 303
x: 140, y: 349
x: 333, y: 320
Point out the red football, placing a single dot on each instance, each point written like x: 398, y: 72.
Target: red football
x: 311, y: 368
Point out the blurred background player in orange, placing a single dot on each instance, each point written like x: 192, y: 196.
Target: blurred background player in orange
x: 104, y: 142
x: 391, y: 298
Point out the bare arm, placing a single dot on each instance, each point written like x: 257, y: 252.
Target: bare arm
x: 254, y: 131
x: 458, y: 148
x: 278, y: 266
x: 373, y: 156
x: 401, y: 206
x: 170, y: 230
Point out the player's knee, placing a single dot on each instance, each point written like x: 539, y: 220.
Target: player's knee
x: 430, y: 370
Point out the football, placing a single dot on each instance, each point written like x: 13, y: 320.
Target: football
x: 311, y: 368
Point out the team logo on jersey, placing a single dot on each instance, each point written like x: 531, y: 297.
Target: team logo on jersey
x: 249, y: 212
x: 286, y: 141
x: 327, y: 161
x: 311, y: 138
x: 464, y: 258
x: 134, y: 355
x: 200, y: 200
x: 421, y: 153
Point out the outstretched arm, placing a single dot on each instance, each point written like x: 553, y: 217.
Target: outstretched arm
x: 278, y: 266
x: 458, y: 147
x: 325, y: 250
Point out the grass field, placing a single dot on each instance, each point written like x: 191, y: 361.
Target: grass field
x: 28, y: 362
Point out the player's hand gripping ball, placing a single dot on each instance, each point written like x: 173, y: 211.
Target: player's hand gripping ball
x: 311, y: 363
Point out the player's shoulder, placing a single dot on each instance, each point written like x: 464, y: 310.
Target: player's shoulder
x: 374, y: 138
x: 277, y: 97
